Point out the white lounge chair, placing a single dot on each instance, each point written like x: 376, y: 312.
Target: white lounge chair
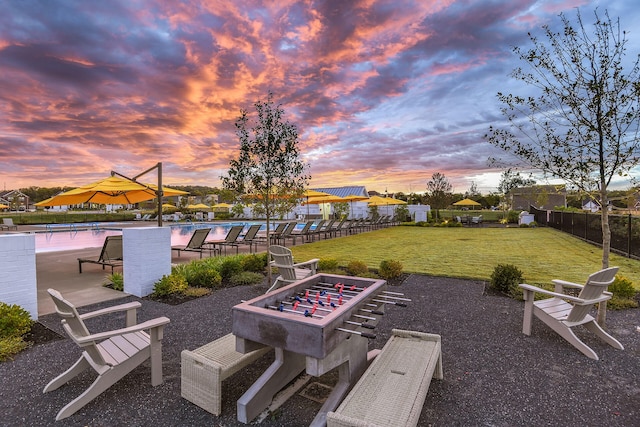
x: 563, y: 312
x: 112, y: 354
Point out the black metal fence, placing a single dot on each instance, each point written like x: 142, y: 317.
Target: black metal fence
x: 625, y: 229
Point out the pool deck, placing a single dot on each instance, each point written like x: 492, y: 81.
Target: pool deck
x: 59, y: 270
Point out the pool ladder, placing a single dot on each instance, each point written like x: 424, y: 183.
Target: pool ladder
x: 72, y: 228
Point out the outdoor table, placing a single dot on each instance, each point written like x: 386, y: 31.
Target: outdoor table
x: 303, y: 342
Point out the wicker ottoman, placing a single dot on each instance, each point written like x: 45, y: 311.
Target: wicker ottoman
x: 204, y: 369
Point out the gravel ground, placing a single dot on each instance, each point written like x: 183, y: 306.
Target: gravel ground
x: 493, y: 374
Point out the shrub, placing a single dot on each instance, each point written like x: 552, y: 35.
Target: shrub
x: 116, y: 280
x: 505, y: 278
x: 328, y: 264
x: 254, y: 262
x: 390, y: 269
x: 10, y: 346
x: 246, y: 278
x: 230, y: 267
x: 196, y: 292
x: 623, y: 294
x: 357, y: 268
x: 14, y: 321
x: 171, y: 284
x: 204, y: 277
x: 622, y: 287
x: 513, y: 217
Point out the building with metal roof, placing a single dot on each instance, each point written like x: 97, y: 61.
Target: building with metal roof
x: 357, y: 190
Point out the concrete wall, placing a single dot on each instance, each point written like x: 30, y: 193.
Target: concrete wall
x: 147, y: 257
x: 18, y: 283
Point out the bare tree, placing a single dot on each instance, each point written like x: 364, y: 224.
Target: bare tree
x: 268, y: 169
x: 583, y: 126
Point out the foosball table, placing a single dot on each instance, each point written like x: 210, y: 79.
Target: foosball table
x: 317, y: 324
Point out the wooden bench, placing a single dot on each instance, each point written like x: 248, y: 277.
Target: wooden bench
x: 392, y: 390
x: 204, y: 369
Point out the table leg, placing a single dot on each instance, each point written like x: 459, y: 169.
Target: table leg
x: 285, y: 368
x: 350, y: 357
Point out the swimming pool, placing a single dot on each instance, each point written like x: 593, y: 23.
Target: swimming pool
x: 65, y: 237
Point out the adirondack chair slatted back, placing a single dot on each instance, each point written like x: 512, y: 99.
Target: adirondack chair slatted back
x: 283, y: 259
x: 112, y: 249
x: 74, y: 326
x: 233, y: 233
x: 596, y: 284
x: 197, y: 238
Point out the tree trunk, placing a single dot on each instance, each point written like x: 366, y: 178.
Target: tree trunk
x: 268, y: 215
x: 606, y: 248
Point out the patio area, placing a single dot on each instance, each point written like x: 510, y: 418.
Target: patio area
x: 493, y: 374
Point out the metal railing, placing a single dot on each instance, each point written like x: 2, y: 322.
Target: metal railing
x: 625, y: 229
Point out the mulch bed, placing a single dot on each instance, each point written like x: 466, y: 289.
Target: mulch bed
x: 40, y: 334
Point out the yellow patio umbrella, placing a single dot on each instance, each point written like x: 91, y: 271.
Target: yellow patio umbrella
x: 110, y: 191
x: 467, y: 202
x: 168, y: 206
x: 198, y: 206
x: 222, y: 206
x: 329, y: 198
x: 384, y: 201
x: 314, y: 193
x: 354, y: 198
x: 3, y: 206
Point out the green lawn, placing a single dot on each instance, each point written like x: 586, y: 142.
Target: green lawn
x: 541, y: 254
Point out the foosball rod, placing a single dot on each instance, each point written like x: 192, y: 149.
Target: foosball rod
x: 364, y: 334
x: 364, y: 325
x: 399, y: 304
x: 354, y: 289
x: 329, y: 310
x: 393, y: 298
x: 305, y: 314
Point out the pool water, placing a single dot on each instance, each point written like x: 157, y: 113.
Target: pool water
x: 69, y: 238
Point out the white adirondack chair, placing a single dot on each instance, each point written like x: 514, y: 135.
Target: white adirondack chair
x: 563, y: 312
x: 112, y: 354
x: 290, y: 272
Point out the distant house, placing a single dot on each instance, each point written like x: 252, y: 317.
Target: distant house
x: 16, y: 200
x: 539, y: 196
x: 590, y: 206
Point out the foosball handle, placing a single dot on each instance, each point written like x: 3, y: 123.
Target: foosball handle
x: 368, y: 335
x: 367, y: 326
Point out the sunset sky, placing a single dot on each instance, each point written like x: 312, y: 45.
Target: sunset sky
x: 384, y: 92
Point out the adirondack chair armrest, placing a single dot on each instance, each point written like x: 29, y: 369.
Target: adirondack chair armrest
x: 560, y: 284
x: 115, y: 309
x: 158, y: 322
x: 311, y: 264
x: 531, y: 288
